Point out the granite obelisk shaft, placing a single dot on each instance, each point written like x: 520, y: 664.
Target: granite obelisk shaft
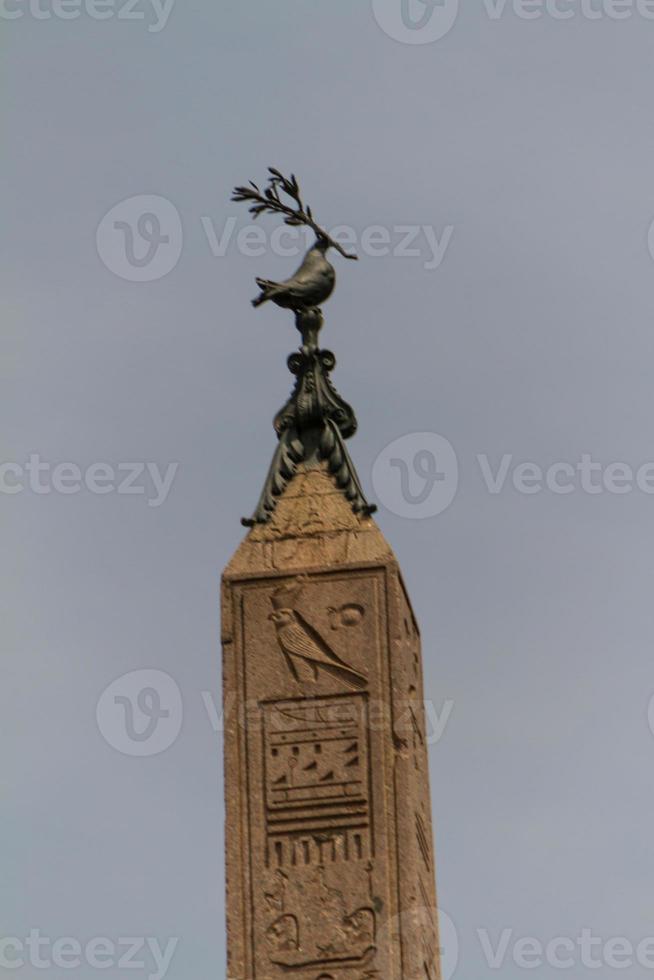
x: 330, y: 866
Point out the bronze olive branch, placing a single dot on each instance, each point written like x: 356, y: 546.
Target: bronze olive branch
x: 269, y: 201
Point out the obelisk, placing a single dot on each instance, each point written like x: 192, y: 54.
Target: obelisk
x: 330, y: 864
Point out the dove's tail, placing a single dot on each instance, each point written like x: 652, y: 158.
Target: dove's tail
x: 267, y: 290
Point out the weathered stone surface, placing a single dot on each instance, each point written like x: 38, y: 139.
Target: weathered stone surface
x: 330, y: 864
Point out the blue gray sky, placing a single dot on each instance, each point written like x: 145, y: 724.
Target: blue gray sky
x: 511, y: 157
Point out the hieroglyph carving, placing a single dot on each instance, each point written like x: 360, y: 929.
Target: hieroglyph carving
x: 306, y: 652
x: 317, y: 781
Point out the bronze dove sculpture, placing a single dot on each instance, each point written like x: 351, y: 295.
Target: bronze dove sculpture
x: 311, y: 285
x: 314, y: 281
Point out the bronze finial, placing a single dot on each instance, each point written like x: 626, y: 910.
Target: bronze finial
x: 315, y: 421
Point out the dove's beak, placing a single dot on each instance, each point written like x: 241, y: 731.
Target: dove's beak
x: 339, y: 248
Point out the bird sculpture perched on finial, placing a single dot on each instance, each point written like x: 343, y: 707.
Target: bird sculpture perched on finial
x: 315, y: 421
x: 314, y: 281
